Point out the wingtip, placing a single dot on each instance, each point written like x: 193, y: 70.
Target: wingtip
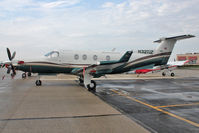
x: 191, y: 35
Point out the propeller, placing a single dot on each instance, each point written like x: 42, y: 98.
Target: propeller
x: 9, y: 64
x: 11, y: 57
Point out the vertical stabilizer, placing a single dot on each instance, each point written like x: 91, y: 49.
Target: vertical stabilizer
x: 167, y: 44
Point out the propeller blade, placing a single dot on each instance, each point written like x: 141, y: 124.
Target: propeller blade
x: 9, y: 54
x: 13, y: 55
x: 13, y: 69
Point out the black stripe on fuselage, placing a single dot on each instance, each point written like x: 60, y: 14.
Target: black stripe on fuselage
x: 156, y: 59
x: 150, y: 56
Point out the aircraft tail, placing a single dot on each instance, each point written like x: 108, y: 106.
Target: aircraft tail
x: 126, y: 56
x: 167, y: 44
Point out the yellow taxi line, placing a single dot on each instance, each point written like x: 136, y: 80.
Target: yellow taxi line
x: 156, y: 108
x: 177, y: 105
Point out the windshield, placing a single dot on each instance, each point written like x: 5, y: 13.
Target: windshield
x: 52, y: 54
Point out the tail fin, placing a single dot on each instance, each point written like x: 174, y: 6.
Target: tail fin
x: 126, y: 56
x: 167, y: 44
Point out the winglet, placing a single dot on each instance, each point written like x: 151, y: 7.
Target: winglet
x: 126, y: 56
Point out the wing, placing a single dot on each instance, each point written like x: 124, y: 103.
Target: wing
x: 103, y: 67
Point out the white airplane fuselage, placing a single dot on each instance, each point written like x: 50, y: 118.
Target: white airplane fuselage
x: 70, y: 61
x: 73, y: 57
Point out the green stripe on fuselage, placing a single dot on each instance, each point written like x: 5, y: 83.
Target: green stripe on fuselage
x: 44, y: 69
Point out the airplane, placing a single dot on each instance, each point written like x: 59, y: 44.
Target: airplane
x: 168, y: 68
x: 95, y: 64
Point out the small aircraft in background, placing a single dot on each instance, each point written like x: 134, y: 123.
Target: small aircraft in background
x: 88, y: 65
x: 165, y: 69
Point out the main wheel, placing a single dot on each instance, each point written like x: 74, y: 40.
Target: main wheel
x: 163, y: 74
x: 23, y: 75
x: 12, y: 75
x: 92, y: 86
x: 38, y: 82
x: 172, y: 74
x: 29, y: 74
x: 81, y: 81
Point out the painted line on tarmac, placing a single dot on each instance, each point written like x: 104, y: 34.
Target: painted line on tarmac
x: 58, y: 79
x: 178, y: 105
x: 63, y: 117
x: 156, y: 108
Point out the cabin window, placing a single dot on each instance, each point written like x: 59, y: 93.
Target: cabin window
x: 84, y: 57
x: 76, y: 56
x: 108, y: 58
x: 95, y: 57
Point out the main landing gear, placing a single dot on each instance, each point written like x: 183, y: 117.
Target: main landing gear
x: 92, y: 86
x: 38, y: 83
x: 171, y: 74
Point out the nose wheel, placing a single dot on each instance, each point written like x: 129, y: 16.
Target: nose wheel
x: 29, y: 74
x: 23, y: 75
x: 92, y: 86
x: 38, y: 83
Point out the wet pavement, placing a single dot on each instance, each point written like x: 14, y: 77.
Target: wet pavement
x: 59, y: 106
x: 159, y: 105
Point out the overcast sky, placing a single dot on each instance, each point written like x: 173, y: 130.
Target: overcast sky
x: 34, y: 27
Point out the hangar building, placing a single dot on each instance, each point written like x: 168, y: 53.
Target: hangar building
x: 192, y: 57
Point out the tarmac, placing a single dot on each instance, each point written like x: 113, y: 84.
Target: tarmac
x: 57, y: 107
x: 148, y: 103
x: 163, y: 105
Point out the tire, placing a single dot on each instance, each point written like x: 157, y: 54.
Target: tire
x: 172, y: 74
x: 12, y: 74
x: 38, y: 82
x: 81, y: 81
x: 92, y: 86
x: 29, y: 74
x: 23, y: 75
x: 163, y: 74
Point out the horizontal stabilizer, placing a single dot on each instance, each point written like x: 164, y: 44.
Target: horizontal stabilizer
x: 174, y: 38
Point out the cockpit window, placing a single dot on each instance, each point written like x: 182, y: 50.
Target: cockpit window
x: 52, y: 54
